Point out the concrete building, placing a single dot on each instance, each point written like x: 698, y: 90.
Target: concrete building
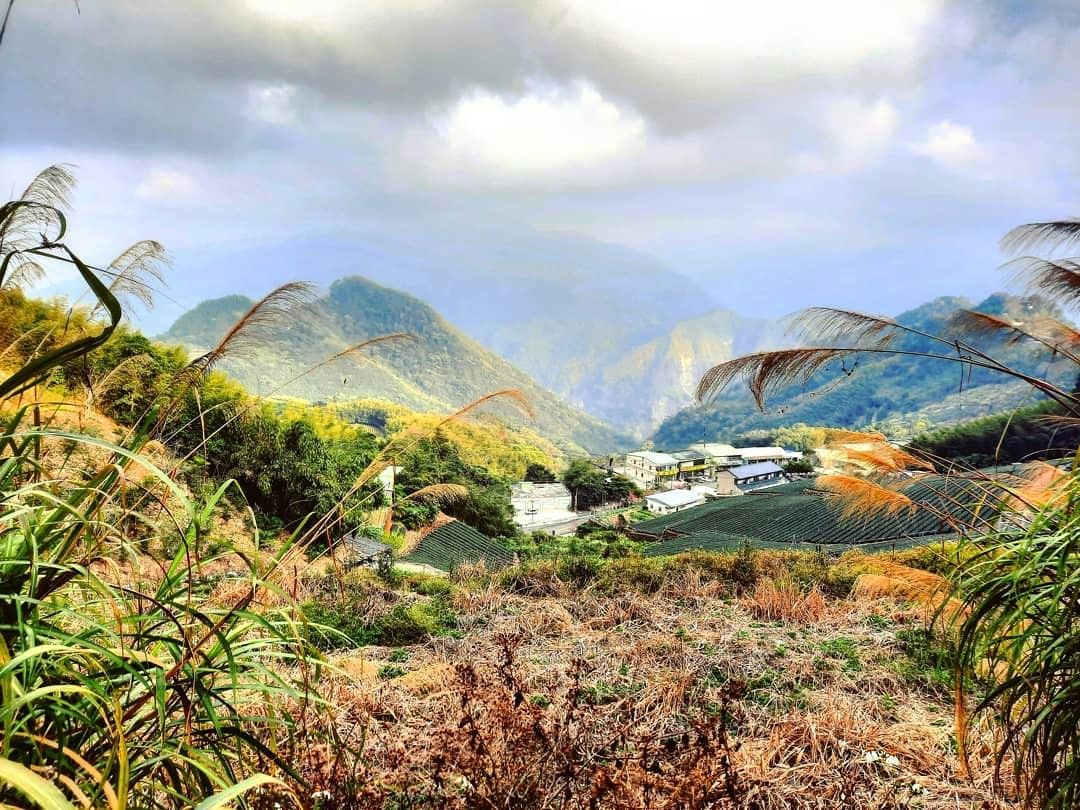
x: 692, y: 464
x: 737, y: 480
x: 720, y: 455
x: 664, y: 503
x: 387, y: 478
x: 753, y: 455
x: 651, y: 470
x: 537, y: 505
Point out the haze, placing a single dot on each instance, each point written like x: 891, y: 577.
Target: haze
x: 777, y: 154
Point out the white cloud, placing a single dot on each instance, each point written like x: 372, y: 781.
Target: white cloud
x: 777, y: 35
x: 855, y: 134
x: 272, y: 105
x: 950, y: 144
x: 683, y: 60
x: 166, y: 186
x: 547, y: 136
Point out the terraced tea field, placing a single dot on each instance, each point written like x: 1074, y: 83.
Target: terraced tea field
x: 455, y: 543
x: 799, y: 515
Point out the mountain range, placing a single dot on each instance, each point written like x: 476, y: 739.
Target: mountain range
x: 572, y: 312
x: 609, y: 341
x: 897, y: 393
x: 438, y: 371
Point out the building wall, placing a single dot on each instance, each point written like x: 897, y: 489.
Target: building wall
x: 725, y: 483
x: 647, y: 474
x: 660, y: 509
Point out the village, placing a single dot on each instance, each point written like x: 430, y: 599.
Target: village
x: 671, y: 482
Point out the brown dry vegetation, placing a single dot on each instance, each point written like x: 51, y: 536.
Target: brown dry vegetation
x: 705, y: 681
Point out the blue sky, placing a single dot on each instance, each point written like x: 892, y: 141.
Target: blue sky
x: 779, y: 153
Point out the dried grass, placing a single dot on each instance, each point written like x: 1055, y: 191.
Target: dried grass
x: 785, y: 601
x: 600, y: 700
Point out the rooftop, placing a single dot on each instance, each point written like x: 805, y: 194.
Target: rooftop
x: 450, y: 543
x: 687, y: 455
x: 675, y: 498
x: 658, y: 459
x: 761, y: 452
x: 364, y: 547
x: 760, y: 468
x: 718, y: 449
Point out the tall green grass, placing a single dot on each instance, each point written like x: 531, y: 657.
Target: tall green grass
x: 1022, y: 631
x: 117, y: 689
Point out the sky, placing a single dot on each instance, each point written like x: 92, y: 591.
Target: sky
x: 778, y: 153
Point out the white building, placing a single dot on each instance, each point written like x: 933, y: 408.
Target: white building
x: 664, y: 503
x: 539, y: 504
x: 720, y: 455
x: 651, y: 470
x: 754, y: 455
x: 388, y: 477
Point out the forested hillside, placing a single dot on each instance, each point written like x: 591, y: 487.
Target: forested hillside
x: 289, y: 459
x: 881, y: 390
x: 1034, y: 432
x: 440, y: 370
x: 655, y: 379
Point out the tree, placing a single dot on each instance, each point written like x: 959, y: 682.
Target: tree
x: 799, y: 466
x: 539, y: 474
x: 590, y: 487
x: 437, y: 460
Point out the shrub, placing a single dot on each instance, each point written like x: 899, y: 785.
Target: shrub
x: 336, y: 623
x: 430, y: 585
x: 644, y: 574
x: 929, y: 661
x: 389, y: 672
x: 579, y: 570
x: 1021, y: 623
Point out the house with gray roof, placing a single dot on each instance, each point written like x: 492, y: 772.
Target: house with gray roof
x: 746, y: 477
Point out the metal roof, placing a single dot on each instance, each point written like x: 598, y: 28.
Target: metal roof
x: 718, y: 449
x: 453, y: 543
x: 658, y: 459
x: 364, y: 547
x: 687, y: 455
x: 676, y: 498
x: 751, y: 470
x: 761, y: 452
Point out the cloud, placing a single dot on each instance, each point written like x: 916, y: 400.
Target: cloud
x: 681, y: 65
x: 856, y: 134
x: 683, y: 61
x: 547, y: 136
x: 950, y: 144
x: 272, y: 105
x: 166, y: 186
x: 281, y: 116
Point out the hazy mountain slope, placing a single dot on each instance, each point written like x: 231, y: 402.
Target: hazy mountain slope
x: 657, y: 378
x: 560, y: 306
x: 442, y: 370
x: 876, y: 389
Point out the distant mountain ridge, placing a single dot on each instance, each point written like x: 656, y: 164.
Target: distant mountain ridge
x: 881, y: 389
x: 562, y: 307
x: 655, y: 379
x: 440, y: 371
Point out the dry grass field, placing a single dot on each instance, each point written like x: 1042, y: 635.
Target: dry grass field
x: 704, y: 681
